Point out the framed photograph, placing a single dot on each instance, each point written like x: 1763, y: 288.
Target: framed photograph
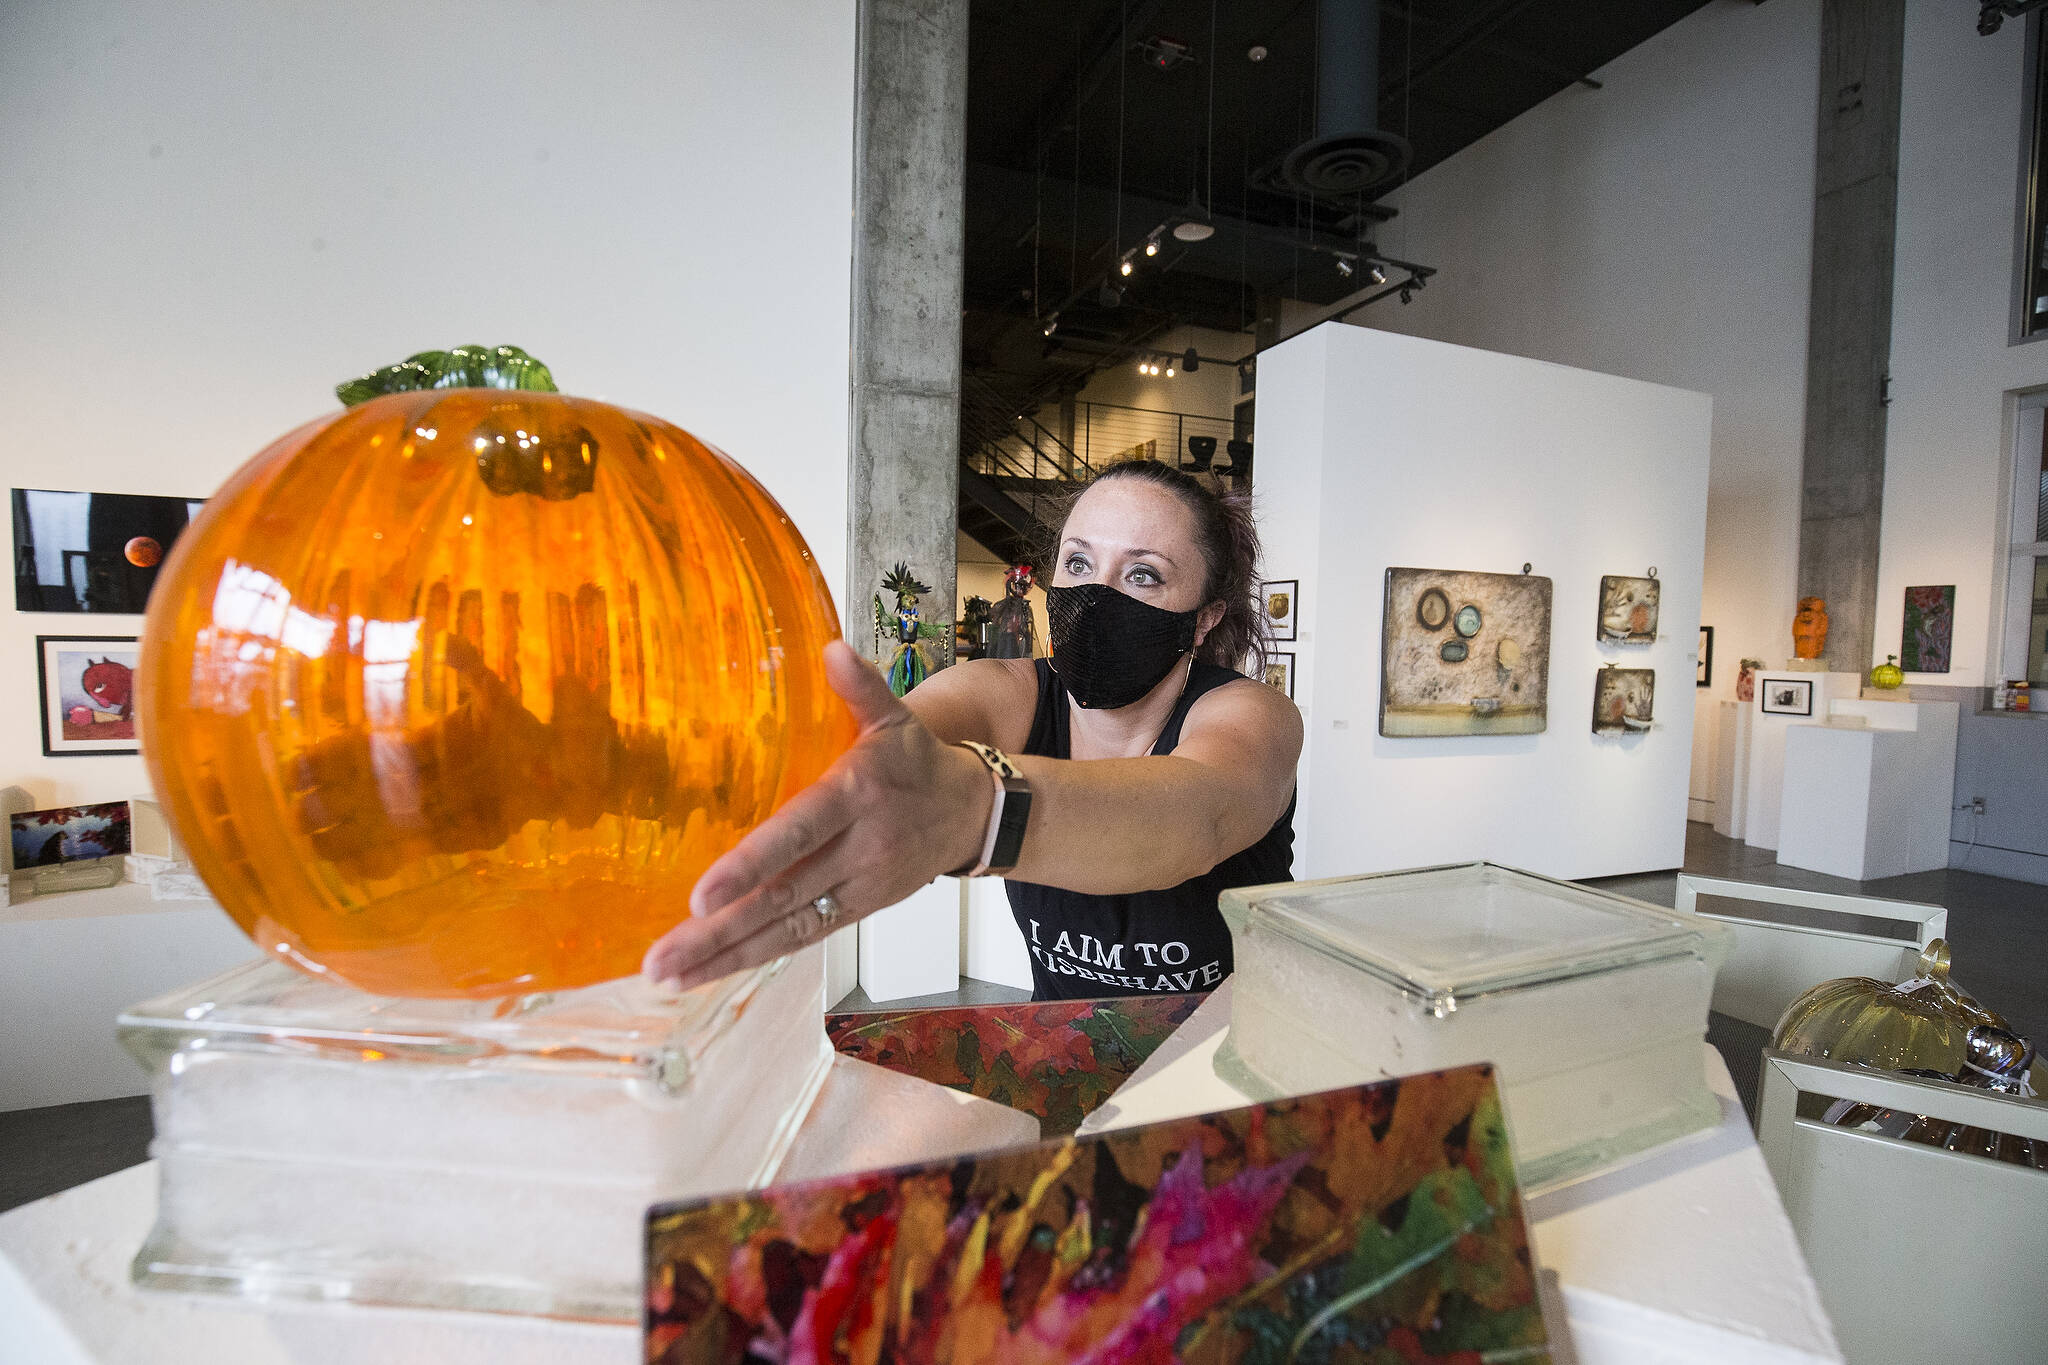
x: 1786, y: 696
x: 1703, y: 671
x: 92, y: 552
x: 87, y: 684
x: 1280, y: 600
x: 1280, y: 672
x: 69, y: 834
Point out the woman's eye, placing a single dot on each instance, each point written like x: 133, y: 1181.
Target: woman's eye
x: 1144, y: 576
x: 1076, y: 564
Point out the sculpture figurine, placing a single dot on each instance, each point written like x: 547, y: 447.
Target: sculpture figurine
x: 1888, y: 675
x: 1810, y: 628
x: 1016, y: 634
x: 908, y: 665
x: 977, y: 623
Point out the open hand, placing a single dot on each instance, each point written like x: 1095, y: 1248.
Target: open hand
x: 898, y: 809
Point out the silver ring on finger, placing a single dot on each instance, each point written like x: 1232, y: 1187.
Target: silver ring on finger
x: 827, y: 907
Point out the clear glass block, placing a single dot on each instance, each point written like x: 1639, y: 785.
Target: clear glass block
x: 317, y: 1142
x: 1592, y: 1006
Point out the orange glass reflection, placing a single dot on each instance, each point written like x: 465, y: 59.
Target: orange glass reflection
x: 457, y: 693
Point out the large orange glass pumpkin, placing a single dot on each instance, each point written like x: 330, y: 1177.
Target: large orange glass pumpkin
x: 457, y: 692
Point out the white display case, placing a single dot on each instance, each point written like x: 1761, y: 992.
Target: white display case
x: 317, y: 1142
x: 1592, y: 1006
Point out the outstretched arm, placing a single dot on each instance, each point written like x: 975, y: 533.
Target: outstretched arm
x: 902, y: 807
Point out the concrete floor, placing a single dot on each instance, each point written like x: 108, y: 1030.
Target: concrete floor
x: 1998, y: 932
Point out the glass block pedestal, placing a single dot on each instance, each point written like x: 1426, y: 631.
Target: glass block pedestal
x: 316, y: 1142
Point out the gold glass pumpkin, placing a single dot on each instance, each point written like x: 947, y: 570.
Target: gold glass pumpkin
x: 458, y: 691
x: 1865, y: 1022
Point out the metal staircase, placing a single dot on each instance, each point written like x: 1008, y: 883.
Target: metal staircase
x: 1015, y: 475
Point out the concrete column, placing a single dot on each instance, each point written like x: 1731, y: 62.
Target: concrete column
x: 1848, y: 349
x: 909, y: 172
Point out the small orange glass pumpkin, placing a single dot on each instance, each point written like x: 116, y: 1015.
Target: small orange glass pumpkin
x: 458, y: 691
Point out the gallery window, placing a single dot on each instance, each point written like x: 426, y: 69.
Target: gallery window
x: 2024, y: 634
x: 2031, y: 300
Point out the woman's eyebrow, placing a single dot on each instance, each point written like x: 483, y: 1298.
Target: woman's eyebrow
x: 1076, y: 543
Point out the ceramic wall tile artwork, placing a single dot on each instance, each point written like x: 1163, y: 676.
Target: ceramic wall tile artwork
x: 1377, y: 1222
x: 1464, y: 653
x: 1624, y: 700
x: 1928, y: 634
x: 1628, y: 610
x: 67, y: 834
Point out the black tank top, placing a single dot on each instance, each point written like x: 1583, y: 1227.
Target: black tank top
x: 1084, y: 946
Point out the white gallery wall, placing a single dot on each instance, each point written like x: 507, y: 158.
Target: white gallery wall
x: 1948, y: 460
x: 1660, y: 228
x: 213, y: 213
x: 1378, y: 450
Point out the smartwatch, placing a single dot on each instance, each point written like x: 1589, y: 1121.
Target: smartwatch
x: 1006, y: 819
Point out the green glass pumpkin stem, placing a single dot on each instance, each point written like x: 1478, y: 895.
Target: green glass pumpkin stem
x: 465, y: 367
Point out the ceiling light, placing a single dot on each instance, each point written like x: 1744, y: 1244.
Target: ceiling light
x: 1169, y: 369
x: 1376, y: 275
x: 1125, y: 267
x: 1052, y: 324
x: 1344, y: 266
x: 1152, y: 245
x: 1194, y: 232
x: 1255, y: 53
x: 1190, y: 362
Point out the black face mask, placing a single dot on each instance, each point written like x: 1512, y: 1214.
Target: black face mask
x: 1109, y: 648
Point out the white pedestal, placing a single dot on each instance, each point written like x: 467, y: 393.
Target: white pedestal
x: 69, y: 963
x: 913, y: 947
x: 1731, y: 768
x: 992, y: 948
x: 1873, y: 800
x: 1765, y: 775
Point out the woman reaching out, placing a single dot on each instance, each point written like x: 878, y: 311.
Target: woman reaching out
x: 1118, y: 786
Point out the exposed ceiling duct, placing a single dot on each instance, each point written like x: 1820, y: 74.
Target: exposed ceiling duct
x: 1350, y: 153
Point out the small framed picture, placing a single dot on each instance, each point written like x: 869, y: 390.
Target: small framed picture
x: 88, y: 691
x: 1280, y: 600
x: 1703, y: 671
x: 69, y: 834
x: 1786, y: 696
x: 1280, y: 672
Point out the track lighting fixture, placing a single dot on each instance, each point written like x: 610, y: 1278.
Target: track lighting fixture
x: 1169, y: 369
x: 1125, y: 265
x: 1376, y: 275
x: 1052, y: 324
x: 1189, y: 361
x: 1152, y: 245
x: 1344, y: 266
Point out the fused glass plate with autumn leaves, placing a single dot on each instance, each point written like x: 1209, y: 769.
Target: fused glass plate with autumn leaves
x: 1374, y: 1224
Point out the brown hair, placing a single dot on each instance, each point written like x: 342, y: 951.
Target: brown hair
x: 1229, y: 541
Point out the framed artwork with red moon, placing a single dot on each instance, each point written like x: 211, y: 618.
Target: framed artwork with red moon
x: 88, y: 692
x: 92, y: 552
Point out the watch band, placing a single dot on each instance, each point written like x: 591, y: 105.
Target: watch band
x: 1006, y: 819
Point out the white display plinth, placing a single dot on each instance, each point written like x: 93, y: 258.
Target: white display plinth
x: 1684, y: 1257
x: 913, y: 947
x: 1868, y: 794
x: 992, y: 947
x: 1731, y: 768
x: 69, y: 963
x: 1764, y: 775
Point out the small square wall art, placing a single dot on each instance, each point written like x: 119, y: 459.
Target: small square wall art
x: 1624, y: 700
x: 1930, y: 627
x: 88, y: 693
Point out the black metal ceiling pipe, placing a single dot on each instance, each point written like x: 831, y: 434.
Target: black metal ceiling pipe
x: 1350, y: 153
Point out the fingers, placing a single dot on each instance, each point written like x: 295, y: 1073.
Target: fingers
x: 805, y: 824
x: 778, y: 917
x: 865, y: 692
